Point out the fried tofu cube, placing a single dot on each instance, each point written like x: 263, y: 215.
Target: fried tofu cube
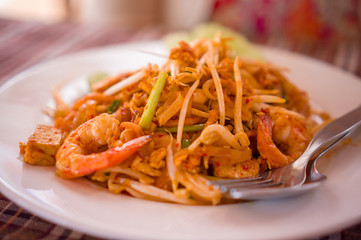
x: 42, y: 146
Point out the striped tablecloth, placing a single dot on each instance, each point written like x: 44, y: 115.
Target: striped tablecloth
x: 23, y: 44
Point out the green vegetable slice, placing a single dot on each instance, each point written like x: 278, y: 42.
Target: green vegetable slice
x: 240, y: 45
x: 113, y: 106
x: 190, y: 128
x: 153, y: 99
x: 95, y: 78
x: 186, y: 143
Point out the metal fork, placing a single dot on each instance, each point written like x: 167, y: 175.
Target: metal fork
x: 291, y: 179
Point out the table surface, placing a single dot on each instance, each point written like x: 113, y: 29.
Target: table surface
x: 23, y: 44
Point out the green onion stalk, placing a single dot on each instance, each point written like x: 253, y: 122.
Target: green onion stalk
x: 113, y: 106
x: 149, y: 110
x: 190, y: 128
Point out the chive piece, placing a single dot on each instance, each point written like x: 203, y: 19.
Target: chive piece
x: 186, y: 143
x: 95, y: 78
x: 284, y: 96
x: 113, y: 106
x: 153, y: 99
x: 191, y: 128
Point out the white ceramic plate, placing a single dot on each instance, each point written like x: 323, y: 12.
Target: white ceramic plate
x: 83, y: 206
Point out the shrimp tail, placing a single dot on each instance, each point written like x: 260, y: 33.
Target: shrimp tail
x: 83, y: 165
x: 265, y: 145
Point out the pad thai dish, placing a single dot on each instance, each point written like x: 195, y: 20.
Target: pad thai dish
x: 161, y: 132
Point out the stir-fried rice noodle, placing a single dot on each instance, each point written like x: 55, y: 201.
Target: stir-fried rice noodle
x: 198, y: 117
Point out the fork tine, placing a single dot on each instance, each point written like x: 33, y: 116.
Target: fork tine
x: 243, y: 184
x: 261, y: 185
x: 237, y: 192
x: 260, y: 176
x: 264, y: 192
x: 237, y: 185
x: 259, y: 179
x: 226, y: 181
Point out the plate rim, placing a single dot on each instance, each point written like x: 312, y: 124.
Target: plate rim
x: 17, y: 198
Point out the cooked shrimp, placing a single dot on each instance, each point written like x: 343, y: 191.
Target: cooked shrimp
x: 80, y: 153
x: 290, y: 135
x: 265, y: 145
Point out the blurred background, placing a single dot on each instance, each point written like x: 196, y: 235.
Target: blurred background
x: 309, y: 20
x: 32, y: 31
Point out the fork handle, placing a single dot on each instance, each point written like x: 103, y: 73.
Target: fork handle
x: 334, y: 130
